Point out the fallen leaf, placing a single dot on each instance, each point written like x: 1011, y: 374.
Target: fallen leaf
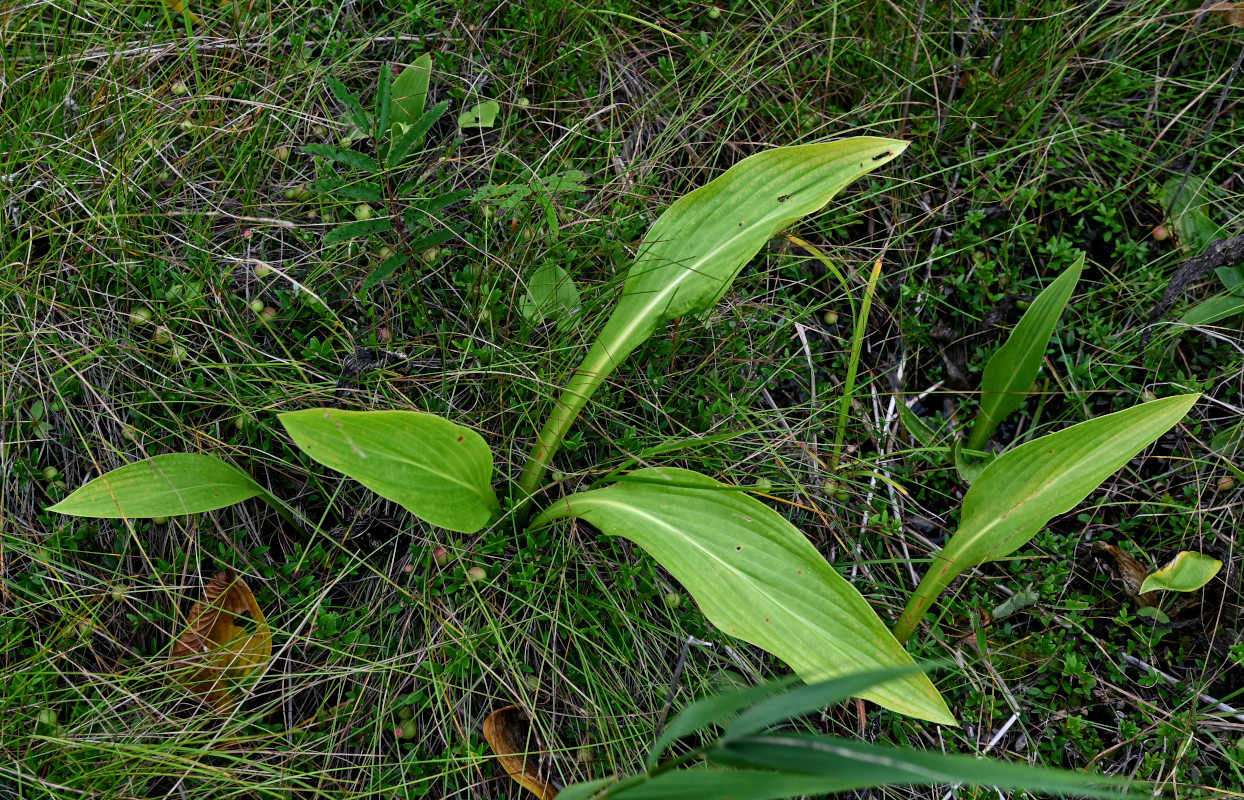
x: 1128, y: 571
x: 1187, y: 572
x: 227, y: 640
x: 1231, y: 12
x: 508, y: 732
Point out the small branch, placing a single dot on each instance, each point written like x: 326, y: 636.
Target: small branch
x: 1222, y: 253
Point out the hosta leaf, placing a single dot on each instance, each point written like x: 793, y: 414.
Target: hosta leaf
x: 1023, y: 489
x: 756, y: 577
x: 161, y: 486
x: 1009, y: 373
x: 436, y: 469
x: 1187, y: 572
x: 694, y: 251
x: 410, y: 91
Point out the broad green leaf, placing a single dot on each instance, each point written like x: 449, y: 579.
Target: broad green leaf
x: 1023, y: 489
x: 1216, y: 308
x: 1187, y: 572
x: 969, y: 467
x: 483, y: 115
x: 756, y: 577
x: 551, y: 293
x: 414, y: 134
x: 694, y: 251
x: 722, y: 784
x: 1229, y: 440
x: 585, y: 791
x: 161, y: 486
x: 347, y: 99
x: 343, y: 155
x: 1232, y: 278
x: 352, y: 230
x: 410, y: 91
x: 437, y: 470
x: 1009, y: 373
x: 859, y: 765
x: 1189, y: 203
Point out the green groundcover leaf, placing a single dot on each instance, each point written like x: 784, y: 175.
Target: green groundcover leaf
x: 756, y: 577
x: 1009, y: 374
x: 161, y: 486
x: 1187, y: 572
x: 436, y: 469
x: 410, y: 91
x: 1023, y: 489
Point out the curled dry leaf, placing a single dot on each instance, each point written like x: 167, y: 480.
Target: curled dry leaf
x: 509, y: 733
x: 1127, y: 571
x: 227, y: 640
x: 1230, y: 12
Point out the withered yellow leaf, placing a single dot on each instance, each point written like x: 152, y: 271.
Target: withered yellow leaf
x: 226, y: 641
x: 509, y: 733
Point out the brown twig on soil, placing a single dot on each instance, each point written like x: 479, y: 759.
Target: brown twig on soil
x: 1221, y: 253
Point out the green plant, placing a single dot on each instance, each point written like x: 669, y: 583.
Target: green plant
x: 753, y: 574
x: 395, y: 129
x: 750, y: 760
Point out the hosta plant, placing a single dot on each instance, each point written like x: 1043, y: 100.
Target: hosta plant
x: 754, y: 575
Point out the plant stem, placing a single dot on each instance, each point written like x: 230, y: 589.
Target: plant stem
x: 590, y: 374
x: 848, y: 385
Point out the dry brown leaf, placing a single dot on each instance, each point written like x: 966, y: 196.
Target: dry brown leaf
x: 509, y: 733
x: 217, y: 651
x: 1232, y: 12
x: 1128, y: 571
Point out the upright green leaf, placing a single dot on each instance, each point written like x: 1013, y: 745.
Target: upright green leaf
x: 437, y: 470
x: 161, y: 486
x: 1213, y: 309
x: 384, y: 101
x: 756, y: 577
x: 414, y: 134
x: 1009, y: 373
x: 1023, y: 489
x: 347, y: 99
x: 694, y: 251
x: 410, y: 91
x: 1187, y: 572
x: 712, y: 710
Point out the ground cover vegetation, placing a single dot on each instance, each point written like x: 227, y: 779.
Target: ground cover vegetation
x: 218, y: 218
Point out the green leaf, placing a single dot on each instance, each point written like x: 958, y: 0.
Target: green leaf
x: 805, y: 699
x: 756, y: 577
x: 347, y: 99
x: 1009, y: 373
x: 723, y: 784
x: 437, y: 470
x: 1189, y: 202
x: 352, y: 189
x: 859, y: 765
x: 161, y: 486
x: 712, y: 710
x: 384, y: 101
x: 410, y: 90
x: 414, y: 134
x: 483, y: 115
x: 1023, y: 489
x: 694, y: 251
x: 1232, y: 278
x: 969, y: 467
x: 1229, y: 440
x: 352, y: 230
x: 343, y: 155
x: 1216, y: 308
x: 1187, y: 572
x: 387, y: 267
x: 552, y: 294
x: 918, y: 428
